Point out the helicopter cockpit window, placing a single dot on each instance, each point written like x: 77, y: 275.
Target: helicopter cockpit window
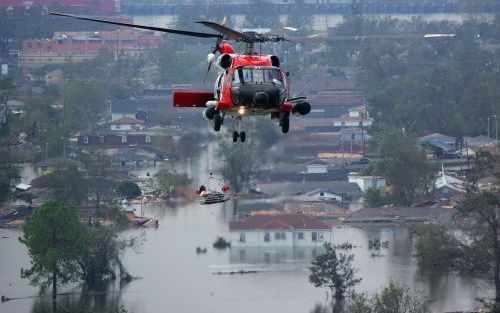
x: 258, y: 76
x: 236, y: 78
x: 247, y: 75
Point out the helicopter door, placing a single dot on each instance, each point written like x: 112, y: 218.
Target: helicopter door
x: 218, y: 84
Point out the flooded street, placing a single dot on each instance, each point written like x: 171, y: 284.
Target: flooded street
x: 173, y: 278
x: 176, y: 279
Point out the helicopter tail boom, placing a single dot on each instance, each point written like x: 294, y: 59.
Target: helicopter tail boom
x: 192, y: 98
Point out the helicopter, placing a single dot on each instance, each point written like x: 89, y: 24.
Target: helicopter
x: 249, y: 83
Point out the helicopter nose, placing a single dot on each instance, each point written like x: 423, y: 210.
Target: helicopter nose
x: 260, y: 99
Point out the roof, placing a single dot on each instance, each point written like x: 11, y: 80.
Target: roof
x: 57, y: 161
x: 347, y: 117
x: 23, y: 187
x: 437, y: 135
x: 352, y: 130
x: 317, y: 162
x: 126, y: 121
x: 131, y: 155
x: 487, y: 180
x: 388, y: 213
x: 297, y: 188
x: 444, y: 142
x: 272, y: 221
x: 480, y: 141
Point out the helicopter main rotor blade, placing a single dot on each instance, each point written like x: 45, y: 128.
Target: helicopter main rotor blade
x: 363, y: 37
x: 160, y: 29
x: 228, y: 32
x: 208, y: 71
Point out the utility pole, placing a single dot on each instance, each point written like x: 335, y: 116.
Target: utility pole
x: 489, y: 127
x: 496, y: 131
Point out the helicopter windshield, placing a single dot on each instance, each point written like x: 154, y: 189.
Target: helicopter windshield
x: 257, y: 75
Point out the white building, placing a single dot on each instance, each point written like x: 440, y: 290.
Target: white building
x: 317, y: 166
x: 278, y: 229
x: 357, y: 117
x: 318, y: 195
x: 366, y: 182
x: 126, y: 123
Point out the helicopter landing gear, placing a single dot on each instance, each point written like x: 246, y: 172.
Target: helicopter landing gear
x: 218, y: 121
x: 285, y: 122
x: 241, y: 135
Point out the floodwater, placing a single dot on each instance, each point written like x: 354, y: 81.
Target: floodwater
x: 176, y: 279
x: 173, y: 278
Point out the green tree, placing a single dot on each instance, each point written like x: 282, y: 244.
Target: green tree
x: 66, y: 184
x: 375, y: 197
x: 168, y: 180
x: 359, y: 303
x: 53, y: 236
x: 85, y: 103
x: 97, y: 165
x: 101, y: 256
x: 8, y: 175
x: 396, y: 298
x: 243, y: 162
x: 334, y: 270
x: 405, y: 166
x: 435, y: 247
x: 129, y: 189
x: 482, y: 240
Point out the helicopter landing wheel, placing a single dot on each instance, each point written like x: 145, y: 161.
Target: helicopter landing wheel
x: 241, y: 135
x: 218, y: 120
x: 285, y: 124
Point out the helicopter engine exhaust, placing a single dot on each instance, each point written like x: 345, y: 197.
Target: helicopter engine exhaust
x: 209, y: 112
x: 301, y: 108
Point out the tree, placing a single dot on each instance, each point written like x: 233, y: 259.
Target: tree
x: 85, y: 103
x: 97, y: 165
x: 375, y: 197
x: 399, y: 299
x: 242, y: 163
x: 129, y: 189
x: 334, y: 270
x: 53, y: 236
x: 66, y: 184
x: 8, y: 175
x: 101, y: 256
x: 168, y: 180
x: 394, y: 298
x: 435, y: 247
x: 482, y: 211
x: 8, y: 172
x: 404, y: 164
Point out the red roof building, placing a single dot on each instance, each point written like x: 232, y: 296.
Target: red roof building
x: 275, y: 220
x: 126, y: 123
x: 279, y: 229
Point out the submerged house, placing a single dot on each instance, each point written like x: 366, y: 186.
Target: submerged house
x: 276, y: 229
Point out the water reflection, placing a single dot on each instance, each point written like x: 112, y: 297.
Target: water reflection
x: 106, y: 299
